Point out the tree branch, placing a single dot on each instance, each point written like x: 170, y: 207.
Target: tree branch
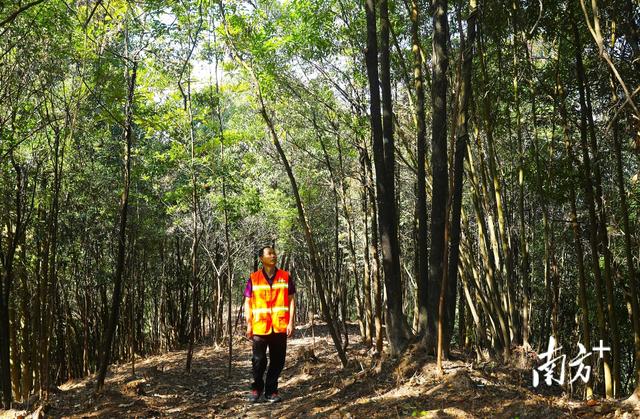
x: 15, y: 14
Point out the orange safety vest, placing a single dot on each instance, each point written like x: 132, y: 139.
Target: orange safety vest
x: 270, y: 303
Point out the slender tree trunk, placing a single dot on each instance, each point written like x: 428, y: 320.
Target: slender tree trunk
x: 525, y: 270
x: 366, y: 272
x: 548, y: 238
x: 195, y: 281
x: 470, y: 273
x: 582, y: 281
x: 344, y: 291
x: 440, y: 172
x: 596, y: 33
x: 347, y: 211
x: 122, y: 229
x: 38, y: 307
x: 336, y: 221
x: 27, y: 330
x: 628, y: 234
x: 5, y: 375
x: 313, y: 253
x: 421, y: 193
x: 463, y: 340
x: 132, y: 326
x: 489, y: 291
x: 501, y: 244
x: 374, y: 253
x: 603, y: 236
x: 387, y: 222
x: 218, y: 308
x: 51, y: 278
x: 383, y: 153
x: 16, y: 366
x: 632, y: 31
x: 14, y: 236
x: 227, y: 240
x: 462, y: 138
x: 593, y: 223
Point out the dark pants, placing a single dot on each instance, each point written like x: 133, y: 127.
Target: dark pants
x: 277, y: 343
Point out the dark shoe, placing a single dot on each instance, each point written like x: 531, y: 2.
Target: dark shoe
x: 254, y: 396
x: 273, y: 398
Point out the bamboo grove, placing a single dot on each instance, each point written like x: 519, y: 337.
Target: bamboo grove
x: 460, y: 174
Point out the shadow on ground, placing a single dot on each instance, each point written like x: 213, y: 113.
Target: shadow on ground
x: 314, y: 384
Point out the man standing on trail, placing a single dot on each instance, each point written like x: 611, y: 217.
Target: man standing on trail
x: 270, y: 312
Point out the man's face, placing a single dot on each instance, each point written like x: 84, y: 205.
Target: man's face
x: 269, y: 257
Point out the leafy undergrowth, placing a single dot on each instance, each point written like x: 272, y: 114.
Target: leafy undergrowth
x: 314, y: 384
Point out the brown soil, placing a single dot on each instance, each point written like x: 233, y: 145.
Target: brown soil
x: 313, y: 383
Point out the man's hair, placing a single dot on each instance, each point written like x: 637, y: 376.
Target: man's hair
x: 261, y: 250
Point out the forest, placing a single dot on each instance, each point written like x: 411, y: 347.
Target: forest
x: 452, y: 178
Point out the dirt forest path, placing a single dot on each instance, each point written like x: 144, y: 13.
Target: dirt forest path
x: 161, y: 387
x: 313, y: 384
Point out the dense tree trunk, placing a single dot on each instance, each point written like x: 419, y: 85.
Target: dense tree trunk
x: 51, y: 268
x: 582, y: 280
x: 374, y: 252
x: 439, y: 161
x: 550, y: 274
x: 488, y: 289
x: 500, y: 254
x: 462, y: 138
x: 14, y: 231
x: 593, y: 223
x: 524, y: 267
x: 603, y: 235
x: 631, y: 269
x: 383, y: 153
x: 384, y: 183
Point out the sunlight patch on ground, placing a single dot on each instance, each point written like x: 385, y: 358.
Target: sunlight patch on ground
x: 73, y: 384
x: 392, y: 395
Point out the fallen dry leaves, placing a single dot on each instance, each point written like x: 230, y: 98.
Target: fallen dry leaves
x: 313, y: 383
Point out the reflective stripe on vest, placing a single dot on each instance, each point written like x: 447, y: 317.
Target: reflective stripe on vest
x: 270, y: 303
